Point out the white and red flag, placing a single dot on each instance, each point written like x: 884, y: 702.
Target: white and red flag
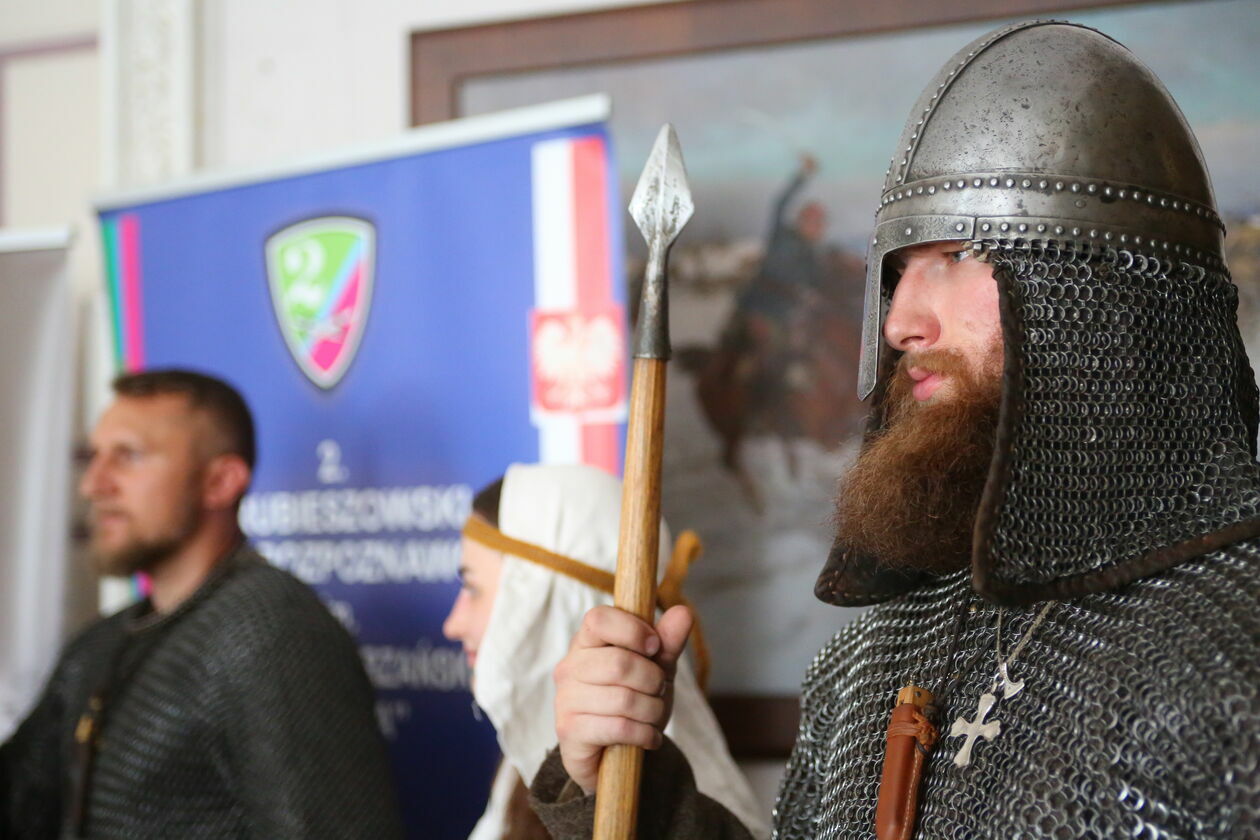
x: 578, y: 328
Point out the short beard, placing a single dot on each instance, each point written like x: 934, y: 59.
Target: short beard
x: 911, y: 499
x: 145, y: 554
x: 135, y: 558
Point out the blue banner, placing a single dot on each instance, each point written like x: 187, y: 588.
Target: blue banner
x: 404, y: 325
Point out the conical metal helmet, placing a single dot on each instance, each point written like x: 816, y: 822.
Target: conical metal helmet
x: 1042, y: 131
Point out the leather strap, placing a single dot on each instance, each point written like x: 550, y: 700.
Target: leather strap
x: 687, y: 548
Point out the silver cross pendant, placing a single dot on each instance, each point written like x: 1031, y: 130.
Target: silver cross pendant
x: 975, y: 729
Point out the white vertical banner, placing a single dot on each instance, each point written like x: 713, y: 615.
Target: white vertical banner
x: 555, y: 281
x: 37, y: 344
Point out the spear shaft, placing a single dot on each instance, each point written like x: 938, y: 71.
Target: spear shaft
x: 661, y: 206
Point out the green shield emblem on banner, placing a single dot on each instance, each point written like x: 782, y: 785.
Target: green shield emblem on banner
x: 321, y: 272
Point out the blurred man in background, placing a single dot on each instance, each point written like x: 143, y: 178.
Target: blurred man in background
x: 229, y: 702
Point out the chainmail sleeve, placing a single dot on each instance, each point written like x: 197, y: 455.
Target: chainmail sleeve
x: 302, y: 740
x: 36, y: 762
x: 31, y: 770
x: 795, y: 811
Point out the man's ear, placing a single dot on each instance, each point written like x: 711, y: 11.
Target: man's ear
x: 226, y: 480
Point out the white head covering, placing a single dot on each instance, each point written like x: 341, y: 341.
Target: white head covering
x: 574, y: 511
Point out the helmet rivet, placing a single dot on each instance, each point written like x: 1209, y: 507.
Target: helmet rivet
x: 875, y: 241
x: 1107, y: 236
x: 993, y: 182
x: 1023, y: 228
x: 1076, y: 231
x: 931, y: 190
x: 1010, y: 182
x: 1124, y: 238
x: 909, y: 148
x: 909, y: 231
x: 1025, y: 183
x: 1093, y: 234
x: 1058, y: 229
x: 919, y: 191
x: 1076, y: 188
x: 1058, y: 185
x: 978, y: 182
x: 949, y: 185
x: 1041, y: 185
x: 903, y: 161
x: 1091, y: 189
x: 1041, y: 228
x: 961, y: 183
x: 1005, y: 227
x: 1108, y: 191
x: 1176, y: 205
x: 1121, y: 193
x: 1137, y: 195
x: 1137, y: 240
x: 986, y: 227
x: 960, y: 227
x: 914, y: 136
x: 1150, y: 199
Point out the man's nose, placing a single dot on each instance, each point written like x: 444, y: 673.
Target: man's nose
x: 912, y: 322
x: 93, y: 479
x: 452, y: 627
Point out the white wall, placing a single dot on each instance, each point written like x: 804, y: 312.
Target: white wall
x: 49, y: 117
x: 50, y: 150
x: 23, y: 21
x: 291, y: 76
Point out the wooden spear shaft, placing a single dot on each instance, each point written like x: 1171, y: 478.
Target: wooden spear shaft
x: 620, y: 770
x: 661, y: 206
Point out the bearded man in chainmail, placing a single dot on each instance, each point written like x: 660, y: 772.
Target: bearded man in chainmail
x: 227, y: 704
x: 1056, y: 512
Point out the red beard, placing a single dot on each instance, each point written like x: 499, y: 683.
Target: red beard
x: 910, y: 501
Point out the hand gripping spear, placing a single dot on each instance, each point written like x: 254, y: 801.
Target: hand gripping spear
x: 661, y: 206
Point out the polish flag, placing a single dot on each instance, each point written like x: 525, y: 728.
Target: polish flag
x: 577, y: 329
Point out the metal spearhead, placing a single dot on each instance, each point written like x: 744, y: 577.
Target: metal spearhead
x: 661, y: 206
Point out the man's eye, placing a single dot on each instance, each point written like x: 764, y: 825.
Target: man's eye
x: 959, y: 256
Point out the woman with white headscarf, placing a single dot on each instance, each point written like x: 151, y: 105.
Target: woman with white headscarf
x: 539, y: 551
